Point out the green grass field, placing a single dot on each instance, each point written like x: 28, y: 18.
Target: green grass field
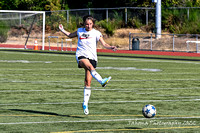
x: 43, y: 92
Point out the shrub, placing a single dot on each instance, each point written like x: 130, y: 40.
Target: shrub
x: 4, y: 28
x: 54, y: 19
x: 108, y: 26
x: 172, y: 20
x: 177, y: 21
x: 118, y: 21
x: 134, y: 23
x: 74, y: 23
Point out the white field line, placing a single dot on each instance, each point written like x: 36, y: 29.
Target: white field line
x: 23, y: 61
x: 103, y: 68
x: 42, y: 69
x: 150, y: 60
x: 26, y: 61
x: 163, y: 88
x: 159, y: 80
x: 104, y: 74
x: 12, y: 91
x: 40, y: 74
x: 15, y: 81
x: 89, y: 121
x: 129, y: 68
x: 102, y: 102
x: 168, y: 88
x: 112, y: 58
x: 75, y: 81
x: 189, y: 97
x: 38, y: 54
x: 80, y: 88
x: 143, y: 93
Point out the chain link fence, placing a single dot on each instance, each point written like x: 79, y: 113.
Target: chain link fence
x: 166, y: 42
x: 144, y: 16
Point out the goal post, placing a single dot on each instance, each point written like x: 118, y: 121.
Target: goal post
x: 24, y: 27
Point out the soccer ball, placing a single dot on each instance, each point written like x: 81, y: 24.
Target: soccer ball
x: 149, y: 111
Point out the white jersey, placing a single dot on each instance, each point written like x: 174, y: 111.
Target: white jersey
x: 87, y: 43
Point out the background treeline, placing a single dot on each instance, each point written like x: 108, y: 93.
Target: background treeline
x: 173, y: 21
x: 52, y: 5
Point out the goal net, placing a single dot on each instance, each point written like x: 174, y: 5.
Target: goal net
x: 20, y: 29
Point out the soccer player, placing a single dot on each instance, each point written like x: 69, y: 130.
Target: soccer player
x: 86, y: 54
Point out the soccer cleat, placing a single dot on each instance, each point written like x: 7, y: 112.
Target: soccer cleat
x: 85, y: 109
x: 105, y: 81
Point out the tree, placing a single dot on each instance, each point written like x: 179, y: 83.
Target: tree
x: 64, y: 5
x: 7, y: 4
x: 53, y: 5
x: 38, y: 5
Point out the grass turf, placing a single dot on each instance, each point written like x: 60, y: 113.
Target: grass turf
x: 43, y: 92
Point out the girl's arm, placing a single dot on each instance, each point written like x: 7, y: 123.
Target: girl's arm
x: 107, y: 46
x: 70, y: 35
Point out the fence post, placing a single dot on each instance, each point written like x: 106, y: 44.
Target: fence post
x: 68, y: 16
x: 89, y: 11
x: 20, y: 17
x: 188, y: 13
x: 173, y: 43
x: 125, y: 16
x: 151, y: 43
x: 197, y: 47
x: 196, y: 37
x: 147, y: 16
x: 130, y: 40
x: 107, y: 15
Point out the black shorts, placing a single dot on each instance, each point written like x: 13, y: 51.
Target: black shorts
x: 93, y: 62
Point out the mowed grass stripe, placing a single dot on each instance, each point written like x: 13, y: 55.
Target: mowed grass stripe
x: 107, y: 58
x: 90, y: 121
x: 96, y: 89
x: 103, y: 102
x: 157, y: 116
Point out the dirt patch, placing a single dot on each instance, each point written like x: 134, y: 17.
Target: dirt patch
x: 18, y: 35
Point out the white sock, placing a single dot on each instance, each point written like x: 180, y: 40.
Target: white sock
x: 96, y: 76
x: 87, y: 93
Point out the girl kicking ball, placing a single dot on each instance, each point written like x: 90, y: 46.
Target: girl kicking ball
x: 86, y: 54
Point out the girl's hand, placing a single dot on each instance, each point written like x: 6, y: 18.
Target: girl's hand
x: 61, y: 27
x: 114, y: 48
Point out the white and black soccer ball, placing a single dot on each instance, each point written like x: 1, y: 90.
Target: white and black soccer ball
x: 149, y: 111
